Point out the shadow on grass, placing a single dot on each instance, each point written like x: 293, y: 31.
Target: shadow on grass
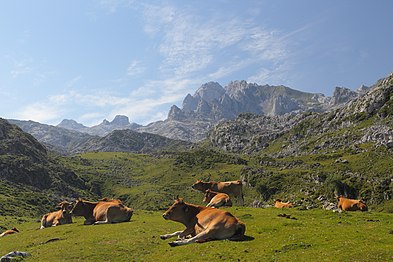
x: 244, y: 239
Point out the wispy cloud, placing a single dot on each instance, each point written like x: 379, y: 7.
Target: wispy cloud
x: 135, y: 68
x: 41, y: 112
x: 20, y: 68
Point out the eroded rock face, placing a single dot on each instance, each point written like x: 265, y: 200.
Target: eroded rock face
x: 212, y: 104
x: 251, y: 133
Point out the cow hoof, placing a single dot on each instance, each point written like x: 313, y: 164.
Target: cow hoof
x: 173, y: 244
x: 163, y: 237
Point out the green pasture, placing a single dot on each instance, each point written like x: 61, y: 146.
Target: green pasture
x: 307, y: 235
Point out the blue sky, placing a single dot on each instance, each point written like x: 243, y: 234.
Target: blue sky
x: 91, y: 60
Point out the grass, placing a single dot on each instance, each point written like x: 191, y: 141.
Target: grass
x: 315, y: 235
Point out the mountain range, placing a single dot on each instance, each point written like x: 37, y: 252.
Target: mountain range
x: 210, y: 105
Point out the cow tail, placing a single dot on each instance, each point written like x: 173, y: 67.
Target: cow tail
x: 240, y: 231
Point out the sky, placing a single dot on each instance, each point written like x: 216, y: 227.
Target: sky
x: 94, y: 59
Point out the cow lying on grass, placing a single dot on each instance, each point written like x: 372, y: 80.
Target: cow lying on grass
x: 232, y: 188
x: 202, y: 224
x: 102, y: 212
x: 59, y: 217
x: 9, y: 232
x: 347, y: 204
x: 279, y: 204
x: 215, y: 199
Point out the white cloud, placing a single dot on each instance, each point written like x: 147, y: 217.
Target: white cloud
x: 40, y: 112
x: 135, y: 68
x: 20, y: 68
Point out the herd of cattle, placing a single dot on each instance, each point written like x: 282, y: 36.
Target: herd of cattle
x: 203, y: 223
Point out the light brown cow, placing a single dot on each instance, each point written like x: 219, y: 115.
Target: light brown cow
x: 216, y: 199
x: 59, y: 217
x: 102, y: 212
x: 232, y: 188
x: 9, y: 232
x: 202, y: 224
x: 347, y: 204
x: 279, y: 204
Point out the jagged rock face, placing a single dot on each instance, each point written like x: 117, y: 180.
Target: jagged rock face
x: 212, y: 104
x: 342, y: 95
x: 251, y: 134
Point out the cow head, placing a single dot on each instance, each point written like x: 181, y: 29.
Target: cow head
x: 79, y: 208
x: 199, y: 185
x: 14, y: 229
x: 176, y: 211
x: 362, y: 206
x: 65, y: 207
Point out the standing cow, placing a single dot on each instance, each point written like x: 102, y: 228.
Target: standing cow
x: 202, y: 224
x: 102, y: 212
x: 215, y: 199
x: 347, y: 204
x: 59, y: 217
x: 232, y: 188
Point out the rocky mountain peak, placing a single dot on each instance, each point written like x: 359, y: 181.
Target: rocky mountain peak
x: 175, y: 113
x: 210, y: 91
x: 71, y: 124
x: 120, y: 120
x: 342, y: 95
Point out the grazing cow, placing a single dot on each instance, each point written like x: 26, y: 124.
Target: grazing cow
x: 202, y: 224
x: 59, y: 217
x: 347, y: 204
x: 9, y: 232
x: 102, y: 212
x: 232, y: 188
x: 216, y: 199
x: 279, y: 204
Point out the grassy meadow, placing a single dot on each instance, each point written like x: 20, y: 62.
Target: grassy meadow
x: 308, y: 235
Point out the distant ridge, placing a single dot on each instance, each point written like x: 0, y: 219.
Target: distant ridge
x: 120, y: 122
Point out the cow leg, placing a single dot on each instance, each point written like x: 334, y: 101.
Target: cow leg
x: 201, y: 237
x: 180, y: 234
x: 177, y: 233
x: 102, y: 222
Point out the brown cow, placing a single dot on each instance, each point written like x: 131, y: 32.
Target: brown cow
x: 347, y: 204
x: 9, y: 232
x: 216, y: 199
x: 102, y: 212
x: 202, y: 224
x: 279, y: 204
x: 59, y: 217
x: 232, y: 188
